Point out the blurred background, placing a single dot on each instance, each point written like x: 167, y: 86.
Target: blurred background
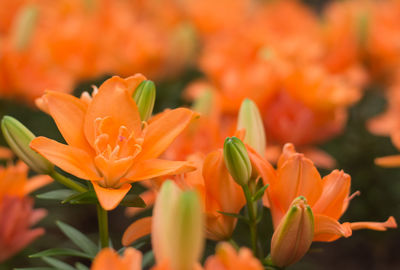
x: 325, y: 75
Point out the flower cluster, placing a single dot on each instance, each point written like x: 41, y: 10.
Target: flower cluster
x: 113, y: 141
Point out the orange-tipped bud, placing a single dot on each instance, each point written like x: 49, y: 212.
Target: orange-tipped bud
x: 237, y: 160
x: 177, y: 232
x: 294, y: 234
x: 250, y: 120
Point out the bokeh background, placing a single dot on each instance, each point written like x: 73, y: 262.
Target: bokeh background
x: 354, y: 150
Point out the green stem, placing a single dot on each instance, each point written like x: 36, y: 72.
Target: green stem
x: 252, y: 212
x: 102, y: 217
x: 234, y: 244
x: 67, y: 182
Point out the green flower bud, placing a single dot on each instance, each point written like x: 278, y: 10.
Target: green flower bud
x: 177, y: 227
x: 250, y: 120
x: 18, y: 138
x: 294, y: 234
x: 237, y: 160
x: 188, y: 237
x: 145, y: 96
x: 204, y: 103
x: 24, y: 26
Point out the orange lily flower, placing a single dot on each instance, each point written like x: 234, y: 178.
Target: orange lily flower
x: 217, y: 190
x: 328, y: 197
x: 17, y: 216
x: 108, y: 259
x: 16, y: 213
x: 14, y: 181
x: 227, y: 258
x: 107, y: 142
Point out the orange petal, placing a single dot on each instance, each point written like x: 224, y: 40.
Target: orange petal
x: 328, y: 229
x: 287, y: 151
x: 157, y: 167
x: 334, y: 195
x: 109, y: 198
x: 133, y: 82
x: 377, y: 226
x: 106, y: 259
x: 136, y: 230
x: 69, y: 113
x: 389, y: 161
x: 162, y: 131
x: 37, y: 182
x: 71, y: 159
x: 297, y: 177
x: 5, y: 153
x: 132, y: 259
x: 320, y: 158
x: 123, y: 112
x: 220, y: 186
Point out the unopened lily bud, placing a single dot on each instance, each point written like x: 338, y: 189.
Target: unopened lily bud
x: 204, y: 103
x: 145, y: 96
x: 18, y: 138
x: 250, y: 120
x: 177, y: 227
x: 24, y: 26
x: 237, y: 160
x: 294, y: 234
x: 188, y: 240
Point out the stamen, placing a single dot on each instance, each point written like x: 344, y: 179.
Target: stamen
x: 357, y: 193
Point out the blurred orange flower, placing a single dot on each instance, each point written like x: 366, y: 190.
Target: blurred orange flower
x: 16, y: 213
x: 108, y: 259
x: 227, y: 258
x: 107, y: 142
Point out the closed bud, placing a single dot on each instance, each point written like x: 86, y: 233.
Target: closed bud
x: 18, y: 138
x: 188, y: 239
x: 237, y: 160
x: 250, y: 120
x: 145, y: 96
x: 294, y: 234
x: 204, y: 103
x: 177, y: 230
x: 24, y: 26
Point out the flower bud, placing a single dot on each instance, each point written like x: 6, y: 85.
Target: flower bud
x: 145, y: 96
x: 18, y: 138
x: 237, y: 160
x: 250, y: 120
x: 24, y: 26
x: 294, y: 234
x: 177, y: 229
x: 204, y: 103
x: 188, y: 227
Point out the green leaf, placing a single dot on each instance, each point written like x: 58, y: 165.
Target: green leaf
x: 133, y: 200
x: 61, y: 252
x: 233, y: 215
x: 59, y: 265
x: 259, y: 193
x: 60, y: 194
x: 36, y: 268
x: 87, y: 197
x: 79, y: 239
x: 148, y: 259
x: 80, y: 266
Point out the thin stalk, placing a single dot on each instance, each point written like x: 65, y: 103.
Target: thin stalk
x: 102, y: 217
x: 252, y: 212
x: 233, y: 243
x: 67, y: 182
